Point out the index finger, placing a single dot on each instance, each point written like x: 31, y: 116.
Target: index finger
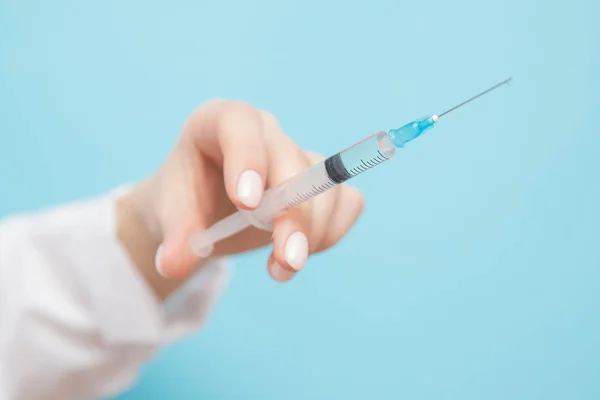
x: 231, y: 134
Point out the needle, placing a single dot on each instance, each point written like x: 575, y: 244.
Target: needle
x: 504, y: 82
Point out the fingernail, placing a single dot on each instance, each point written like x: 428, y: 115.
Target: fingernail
x: 157, y: 261
x: 296, y: 250
x: 250, y: 188
x: 279, y: 273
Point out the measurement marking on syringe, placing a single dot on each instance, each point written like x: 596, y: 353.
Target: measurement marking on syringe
x: 304, y: 196
x: 382, y: 156
x: 365, y: 165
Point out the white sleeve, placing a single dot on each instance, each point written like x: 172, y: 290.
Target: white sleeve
x: 76, y: 319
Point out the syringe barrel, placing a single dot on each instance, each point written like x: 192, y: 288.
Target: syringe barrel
x: 302, y: 187
x: 322, y: 176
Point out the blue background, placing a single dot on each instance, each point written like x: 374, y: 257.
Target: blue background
x: 474, y: 272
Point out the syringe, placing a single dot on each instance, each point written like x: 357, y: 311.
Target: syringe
x: 325, y: 175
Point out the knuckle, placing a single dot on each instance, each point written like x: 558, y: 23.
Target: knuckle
x: 198, y: 117
x: 269, y: 120
x: 214, y: 102
x: 231, y: 112
x: 209, y: 107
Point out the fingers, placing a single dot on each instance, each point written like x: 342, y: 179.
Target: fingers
x: 291, y: 229
x: 174, y: 258
x: 231, y: 133
x: 252, y: 152
x: 277, y: 272
x: 290, y: 241
x: 313, y: 226
x: 221, y: 136
x: 180, y: 210
x: 334, y: 214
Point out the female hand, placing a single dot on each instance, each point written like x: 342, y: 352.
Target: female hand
x: 228, y: 154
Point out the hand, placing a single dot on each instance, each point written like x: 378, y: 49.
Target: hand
x: 224, y: 160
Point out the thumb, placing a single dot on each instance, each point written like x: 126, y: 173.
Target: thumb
x: 178, y: 209
x: 174, y: 257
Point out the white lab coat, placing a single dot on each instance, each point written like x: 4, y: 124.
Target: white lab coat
x: 76, y: 319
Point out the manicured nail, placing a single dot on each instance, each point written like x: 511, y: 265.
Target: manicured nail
x: 296, y: 250
x: 157, y: 261
x: 279, y: 273
x: 250, y: 188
